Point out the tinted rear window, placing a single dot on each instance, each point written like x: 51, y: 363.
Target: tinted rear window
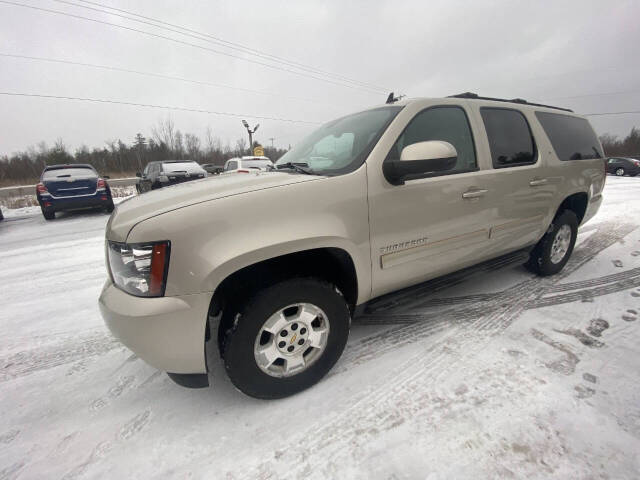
x: 572, y: 138
x: 75, y: 172
x: 188, y: 167
x: 510, y: 138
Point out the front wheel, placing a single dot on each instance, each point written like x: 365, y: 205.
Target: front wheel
x: 620, y: 172
x: 286, y: 338
x: 552, y: 252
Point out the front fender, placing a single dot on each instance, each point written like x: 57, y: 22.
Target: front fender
x: 213, y: 239
x: 300, y: 245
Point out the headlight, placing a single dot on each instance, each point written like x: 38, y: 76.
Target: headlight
x: 139, y: 269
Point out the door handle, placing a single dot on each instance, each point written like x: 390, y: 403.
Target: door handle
x: 537, y: 182
x: 474, y: 193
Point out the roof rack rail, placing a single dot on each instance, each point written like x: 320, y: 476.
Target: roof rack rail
x: 475, y: 96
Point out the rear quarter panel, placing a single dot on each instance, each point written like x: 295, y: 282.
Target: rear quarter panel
x: 567, y: 177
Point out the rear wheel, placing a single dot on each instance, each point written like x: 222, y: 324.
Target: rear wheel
x: 286, y: 338
x: 47, y: 214
x: 552, y: 252
x: 620, y: 172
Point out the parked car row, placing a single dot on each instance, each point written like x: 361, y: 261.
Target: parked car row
x: 78, y: 186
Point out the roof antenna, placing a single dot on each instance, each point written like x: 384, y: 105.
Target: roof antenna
x: 392, y: 98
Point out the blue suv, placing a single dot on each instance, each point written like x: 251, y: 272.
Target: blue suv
x: 72, y: 187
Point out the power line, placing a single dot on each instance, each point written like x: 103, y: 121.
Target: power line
x: 215, y: 40
x: 149, y: 105
x: 152, y: 74
x: 610, y: 113
x: 182, y: 42
x: 593, y: 95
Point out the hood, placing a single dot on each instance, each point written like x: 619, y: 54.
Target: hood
x: 156, y: 202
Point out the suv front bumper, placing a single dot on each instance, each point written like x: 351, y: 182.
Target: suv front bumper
x: 166, y: 332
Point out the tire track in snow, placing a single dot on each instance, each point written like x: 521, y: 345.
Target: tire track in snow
x: 69, y: 350
x: 563, y: 287
x: 393, y: 398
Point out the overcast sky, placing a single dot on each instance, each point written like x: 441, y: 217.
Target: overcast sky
x: 544, y: 51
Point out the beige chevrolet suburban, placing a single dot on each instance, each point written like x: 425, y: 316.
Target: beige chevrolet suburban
x: 269, y: 267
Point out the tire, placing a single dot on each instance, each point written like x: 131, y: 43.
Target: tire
x: 48, y: 215
x: 541, y: 260
x: 241, y: 341
x: 619, y: 172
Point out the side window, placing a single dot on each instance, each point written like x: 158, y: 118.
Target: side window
x: 232, y: 165
x: 446, y: 123
x: 510, y: 138
x: 572, y: 138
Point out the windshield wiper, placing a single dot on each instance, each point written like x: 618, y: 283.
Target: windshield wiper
x: 300, y: 167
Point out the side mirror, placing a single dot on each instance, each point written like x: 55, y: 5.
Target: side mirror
x: 420, y: 158
x: 138, y: 174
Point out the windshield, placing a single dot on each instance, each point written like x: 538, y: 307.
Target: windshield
x: 341, y: 145
x: 262, y: 164
x: 189, y: 167
x: 69, y: 172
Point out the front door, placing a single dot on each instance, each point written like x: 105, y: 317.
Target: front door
x: 433, y: 225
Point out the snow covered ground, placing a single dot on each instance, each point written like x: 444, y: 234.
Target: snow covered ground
x: 502, y: 376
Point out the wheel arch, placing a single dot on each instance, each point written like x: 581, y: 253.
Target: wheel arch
x: 332, y: 264
x: 577, y: 203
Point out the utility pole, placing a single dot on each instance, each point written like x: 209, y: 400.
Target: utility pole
x: 272, y: 139
x: 251, y: 132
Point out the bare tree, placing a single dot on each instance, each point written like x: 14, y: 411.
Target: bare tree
x: 241, y: 147
x: 192, y: 144
x: 178, y: 145
x: 210, y: 141
x: 165, y: 132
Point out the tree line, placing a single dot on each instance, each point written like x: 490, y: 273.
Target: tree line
x: 166, y: 142
x: 119, y: 159
x: 628, y: 146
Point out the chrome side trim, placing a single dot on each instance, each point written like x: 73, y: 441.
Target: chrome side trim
x: 75, y: 196
x: 398, y: 257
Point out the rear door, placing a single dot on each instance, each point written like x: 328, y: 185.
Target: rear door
x: 432, y: 225
x: 520, y: 193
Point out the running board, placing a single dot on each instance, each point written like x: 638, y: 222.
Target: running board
x: 390, y: 300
